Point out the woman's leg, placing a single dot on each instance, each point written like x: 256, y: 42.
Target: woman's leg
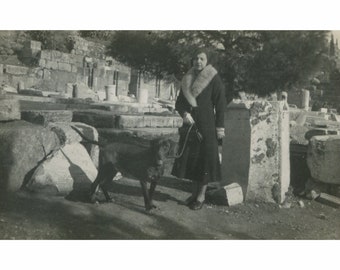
x: 194, y: 193
x: 201, y: 193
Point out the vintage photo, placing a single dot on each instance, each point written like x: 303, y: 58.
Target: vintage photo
x: 169, y: 135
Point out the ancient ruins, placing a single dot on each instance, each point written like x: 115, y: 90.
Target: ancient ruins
x: 270, y: 145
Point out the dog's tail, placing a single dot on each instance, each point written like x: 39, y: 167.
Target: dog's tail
x: 86, y: 138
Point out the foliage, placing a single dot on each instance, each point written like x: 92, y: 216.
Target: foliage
x: 102, y: 36
x: 287, y: 59
x: 253, y: 61
x: 54, y: 40
x: 11, y: 42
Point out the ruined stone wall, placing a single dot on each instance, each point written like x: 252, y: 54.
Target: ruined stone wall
x: 52, y: 70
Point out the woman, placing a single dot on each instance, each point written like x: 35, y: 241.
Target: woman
x: 201, y: 104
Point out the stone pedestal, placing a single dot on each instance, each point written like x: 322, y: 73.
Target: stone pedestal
x: 323, y: 158
x: 256, y: 149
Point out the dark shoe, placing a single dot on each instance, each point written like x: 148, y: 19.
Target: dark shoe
x: 197, y: 205
x: 189, y: 201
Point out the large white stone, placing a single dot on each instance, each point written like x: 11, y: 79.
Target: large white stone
x: 68, y: 135
x: 69, y: 169
x: 323, y: 158
x: 22, y: 147
x: 256, y: 149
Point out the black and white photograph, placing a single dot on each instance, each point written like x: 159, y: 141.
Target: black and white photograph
x: 222, y: 134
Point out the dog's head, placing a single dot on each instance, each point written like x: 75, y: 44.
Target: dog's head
x: 163, y: 149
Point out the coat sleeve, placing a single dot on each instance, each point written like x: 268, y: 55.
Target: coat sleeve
x: 219, y: 101
x: 182, y: 105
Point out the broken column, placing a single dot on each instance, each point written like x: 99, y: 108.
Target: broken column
x: 305, y: 99
x: 110, y: 91
x: 256, y: 149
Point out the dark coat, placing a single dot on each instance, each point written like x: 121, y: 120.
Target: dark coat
x: 200, y: 161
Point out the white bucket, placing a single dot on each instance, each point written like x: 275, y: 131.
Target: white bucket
x: 110, y: 92
x: 143, y: 96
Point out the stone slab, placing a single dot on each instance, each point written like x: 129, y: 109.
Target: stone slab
x: 95, y: 118
x: 140, y: 121
x: 329, y: 200
x: 41, y: 117
x: 30, y: 92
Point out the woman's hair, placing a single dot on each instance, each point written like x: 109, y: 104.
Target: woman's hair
x: 207, y: 51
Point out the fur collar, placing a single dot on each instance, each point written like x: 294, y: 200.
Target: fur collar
x: 192, y: 86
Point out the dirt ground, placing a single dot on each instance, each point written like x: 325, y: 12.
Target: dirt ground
x: 37, y: 216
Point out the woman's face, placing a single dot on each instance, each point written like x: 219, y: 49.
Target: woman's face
x: 200, y: 61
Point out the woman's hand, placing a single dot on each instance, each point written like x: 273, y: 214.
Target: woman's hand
x: 220, y: 133
x: 187, y: 119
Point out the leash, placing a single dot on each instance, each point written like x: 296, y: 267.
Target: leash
x: 178, y: 155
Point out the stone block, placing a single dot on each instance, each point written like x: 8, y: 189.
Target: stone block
x: 1, y: 68
x: 55, y: 55
x: 31, y: 105
x: 51, y: 64
x: 23, y: 146
x: 74, y: 68
x: 335, y: 117
x: 323, y: 158
x: 64, y: 66
x: 138, y: 121
x: 44, y: 117
x: 9, y: 109
x: 329, y: 200
x: 320, y: 131
x: 118, y: 108
x: 69, y: 170
x: 67, y: 135
x: 234, y: 194
x: 45, y: 54
x: 95, y: 118
x: 256, y: 149
x: 32, y: 44
x: 227, y: 195
x: 42, y: 62
x: 31, y: 92
x: 16, y: 70
x: 65, y: 57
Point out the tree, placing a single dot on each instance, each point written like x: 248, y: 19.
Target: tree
x: 287, y: 59
x: 254, y: 61
x: 331, y: 47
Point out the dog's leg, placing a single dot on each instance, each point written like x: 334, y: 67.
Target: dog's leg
x: 107, y: 180
x: 146, y: 195
x: 108, y: 171
x: 153, y: 186
x: 93, y: 190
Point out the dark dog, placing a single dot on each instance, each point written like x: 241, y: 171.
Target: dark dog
x: 146, y: 166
